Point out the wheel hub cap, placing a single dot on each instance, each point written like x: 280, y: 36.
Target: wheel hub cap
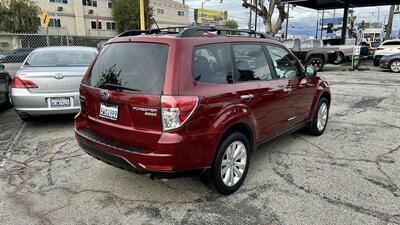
x: 395, y: 66
x: 322, y: 116
x: 233, y: 163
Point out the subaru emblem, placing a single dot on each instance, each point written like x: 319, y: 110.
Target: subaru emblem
x: 104, y: 95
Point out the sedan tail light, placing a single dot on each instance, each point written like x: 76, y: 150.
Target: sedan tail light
x: 176, y: 110
x: 19, y: 83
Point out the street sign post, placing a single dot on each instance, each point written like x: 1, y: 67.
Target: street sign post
x: 45, y: 19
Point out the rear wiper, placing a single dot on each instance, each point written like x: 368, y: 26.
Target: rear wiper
x: 119, y: 87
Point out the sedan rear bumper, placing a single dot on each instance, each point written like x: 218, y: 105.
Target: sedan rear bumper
x: 25, y: 101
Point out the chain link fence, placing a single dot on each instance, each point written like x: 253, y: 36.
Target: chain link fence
x: 14, y: 48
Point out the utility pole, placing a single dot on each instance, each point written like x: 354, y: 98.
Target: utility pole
x: 322, y: 22
x: 255, y: 24
x: 251, y: 15
x: 142, y: 20
x: 287, y: 21
x: 316, y: 30
x: 390, y: 23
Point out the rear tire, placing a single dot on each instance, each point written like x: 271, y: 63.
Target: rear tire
x: 317, y: 62
x: 340, y: 59
x: 231, y: 163
x: 320, y: 119
x: 25, y: 117
x: 394, y: 66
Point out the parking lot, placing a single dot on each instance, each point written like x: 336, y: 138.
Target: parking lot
x: 349, y: 175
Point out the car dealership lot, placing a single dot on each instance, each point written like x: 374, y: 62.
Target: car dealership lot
x: 349, y: 175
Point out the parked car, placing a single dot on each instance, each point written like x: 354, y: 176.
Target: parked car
x: 16, y: 56
x: 372, y: 47
x: 197, y: 100
x: 311, y: 52
x: 387, y: 48
x: 344, y: 52
x: 390, y: 62
x: 48, y: 81
x: 5, y: 80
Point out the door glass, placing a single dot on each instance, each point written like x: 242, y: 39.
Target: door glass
x: 305, y: 44
x: 285, y: 64
x: 251, y: 63
x: 212, y: 64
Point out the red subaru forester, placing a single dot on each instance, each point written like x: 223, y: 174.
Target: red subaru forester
x: 204, y: 98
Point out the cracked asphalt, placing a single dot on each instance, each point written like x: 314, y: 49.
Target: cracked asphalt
x: 350, y: 175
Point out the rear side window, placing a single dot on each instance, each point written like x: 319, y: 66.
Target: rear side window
x: 212, y: 64
x: 251, y: 63
x: 305, y: 44
x: 137, y: 66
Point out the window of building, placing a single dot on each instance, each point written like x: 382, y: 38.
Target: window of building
x: 110, y: 25
x: 181, y: 13
x: 54, y: 22
x: 251, y: 63
x: 212, y: 64
x: 160, y: 11
x: 90, y: 3
x: 94, y: 26
x: 110, y: 5
x: 60, y: 1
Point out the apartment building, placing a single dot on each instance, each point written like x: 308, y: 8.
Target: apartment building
x: 94, y: 17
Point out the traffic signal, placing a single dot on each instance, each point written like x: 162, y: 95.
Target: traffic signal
x: 386, y: 27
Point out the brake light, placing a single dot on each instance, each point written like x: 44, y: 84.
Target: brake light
x: 176, y: 110
x: 19, y: 83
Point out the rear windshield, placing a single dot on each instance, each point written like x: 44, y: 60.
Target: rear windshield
x: 391, y: 43
x: 60, y: 58
x: 136, y: 66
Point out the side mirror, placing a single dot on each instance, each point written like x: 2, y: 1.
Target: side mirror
x: 2, y: 67
x: 311, y: 71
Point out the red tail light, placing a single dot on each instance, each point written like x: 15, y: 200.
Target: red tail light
x: 19, y: 83
x: 176, y: 110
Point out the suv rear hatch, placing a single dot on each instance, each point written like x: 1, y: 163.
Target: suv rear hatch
x: 121, y: 94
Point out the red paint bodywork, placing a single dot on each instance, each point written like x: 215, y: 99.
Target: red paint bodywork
x: 193, y: 145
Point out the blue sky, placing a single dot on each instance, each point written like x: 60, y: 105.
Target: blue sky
x: 303, y: 20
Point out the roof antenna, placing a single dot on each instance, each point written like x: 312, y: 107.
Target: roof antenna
x: 158, y: 28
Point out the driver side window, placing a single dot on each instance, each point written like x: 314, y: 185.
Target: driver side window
x: 285, y: 64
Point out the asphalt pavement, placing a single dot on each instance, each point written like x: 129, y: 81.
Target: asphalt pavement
x: 350, y: 175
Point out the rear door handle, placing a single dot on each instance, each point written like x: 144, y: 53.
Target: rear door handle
x: 246, y: 97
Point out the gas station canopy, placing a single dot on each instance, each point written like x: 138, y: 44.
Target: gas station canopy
x: 337, y: 4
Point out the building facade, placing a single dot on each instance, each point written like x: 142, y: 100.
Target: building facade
x: 94, y: 17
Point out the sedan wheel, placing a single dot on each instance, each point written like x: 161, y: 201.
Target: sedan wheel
x: 395, y: 66
x: 322, y: 116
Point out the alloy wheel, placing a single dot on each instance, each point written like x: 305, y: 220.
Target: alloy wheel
x: 395, y: 66
x: 233, y: 163
x: 322, y: 116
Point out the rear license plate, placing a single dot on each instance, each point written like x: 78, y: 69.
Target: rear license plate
x: 109, y: 111
x: 60, y: 102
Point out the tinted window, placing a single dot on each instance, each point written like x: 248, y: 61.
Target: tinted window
x: 212, y: 64
x: 375, y: 44
x: 251, y: 63
x: 391, y: 43
x: 285, y: 64
x: 317, y: 43
x: 60, y: 58
x: 136, y: 66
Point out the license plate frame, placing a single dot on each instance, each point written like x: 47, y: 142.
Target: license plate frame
x: 109, y: 111
x: 60, y: 102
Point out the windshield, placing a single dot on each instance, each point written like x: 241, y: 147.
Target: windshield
x: 133, y: 66
x: 60, y: 58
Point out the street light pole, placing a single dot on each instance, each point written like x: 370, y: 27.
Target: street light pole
x: 255, y: 23
x: 287, y: 22
x: 202, y: 10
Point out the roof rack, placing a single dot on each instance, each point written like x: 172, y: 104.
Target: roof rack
x: 195, y: 31
x: 198, y: 31
x: 167, y: 30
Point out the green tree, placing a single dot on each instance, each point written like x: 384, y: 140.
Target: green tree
x: 126, y: 14
x: 18, y: 16
x: 231, y: 24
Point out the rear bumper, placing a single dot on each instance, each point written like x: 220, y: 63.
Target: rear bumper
x: 179, y: 155
x: 38, y: 103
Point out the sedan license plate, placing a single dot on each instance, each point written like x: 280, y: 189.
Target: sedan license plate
x: 60, y: 102
x: 109, y: 111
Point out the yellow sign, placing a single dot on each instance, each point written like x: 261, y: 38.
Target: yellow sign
x: 45, y: 19
x: 210, y: 16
